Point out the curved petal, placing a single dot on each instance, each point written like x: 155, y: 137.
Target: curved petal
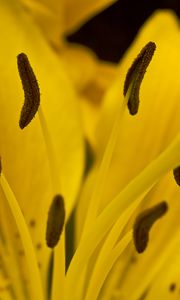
x: 50, y: 17
x: 91, y: 78
x: 78, y: 12
x: 80, y: 63
x: 144, y: 136
x: 59, y: 17
x: 23, y: 153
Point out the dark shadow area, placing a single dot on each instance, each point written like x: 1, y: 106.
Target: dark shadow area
x: 111, y: 32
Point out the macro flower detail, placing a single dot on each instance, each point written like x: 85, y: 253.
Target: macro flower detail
x: 118, y: 252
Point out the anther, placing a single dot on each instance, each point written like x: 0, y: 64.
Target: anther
x: 55, y: 223
x: 135, y: 76
x: 31, y: 90
x: 143, y: 224
x: 176, y: 173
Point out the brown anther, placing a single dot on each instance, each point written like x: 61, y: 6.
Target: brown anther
x: 143, y: 224
x: 176, y: 173
x: 55, y: 223
x: 135, y: 76
x: 31, y: 90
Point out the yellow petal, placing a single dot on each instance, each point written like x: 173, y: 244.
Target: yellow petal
x: 137, y: 188
x: 49, y: 15
x: 34, y: 274
x: 145, y: 135
x: 91, y: 78
x: 58, y: 101
x: 56, y: 18
x: 80, y: 63
x: 159, y: 240
x: 76, y: 13
x: 140, y: 140
x: 23, y: 153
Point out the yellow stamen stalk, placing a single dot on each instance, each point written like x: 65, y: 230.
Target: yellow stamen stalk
x: 50, y: 152
x: 103, y: 169
x: 168, y: 160
x: 59, y: 251
x: 106, y: 267
x: 109, y: 244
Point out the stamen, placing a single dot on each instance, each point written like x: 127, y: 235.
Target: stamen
x: 137, y: 188
x: 59, y: 253
x: 135, y: 76
x: 31, y: 90
x: 176, y: 173
x: 143, y: 224
x: 55, y: 221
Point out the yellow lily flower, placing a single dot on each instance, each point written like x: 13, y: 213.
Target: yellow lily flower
x: 56, y: 18
x: 48, y: 162
x: 29, y: 176
x: 130, y: 145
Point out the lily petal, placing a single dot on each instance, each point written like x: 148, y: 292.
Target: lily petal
x: 145, y: 135
x: 81, y: 11
x: 59, y: 17
x: 49, y: 16
x: 23, y: 153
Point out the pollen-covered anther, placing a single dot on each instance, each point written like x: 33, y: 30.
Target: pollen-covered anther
x: 31, y: 90
x: 135, y: 76
x: 143, y: 224
x: 176, y: 173
x: 55, y: 223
